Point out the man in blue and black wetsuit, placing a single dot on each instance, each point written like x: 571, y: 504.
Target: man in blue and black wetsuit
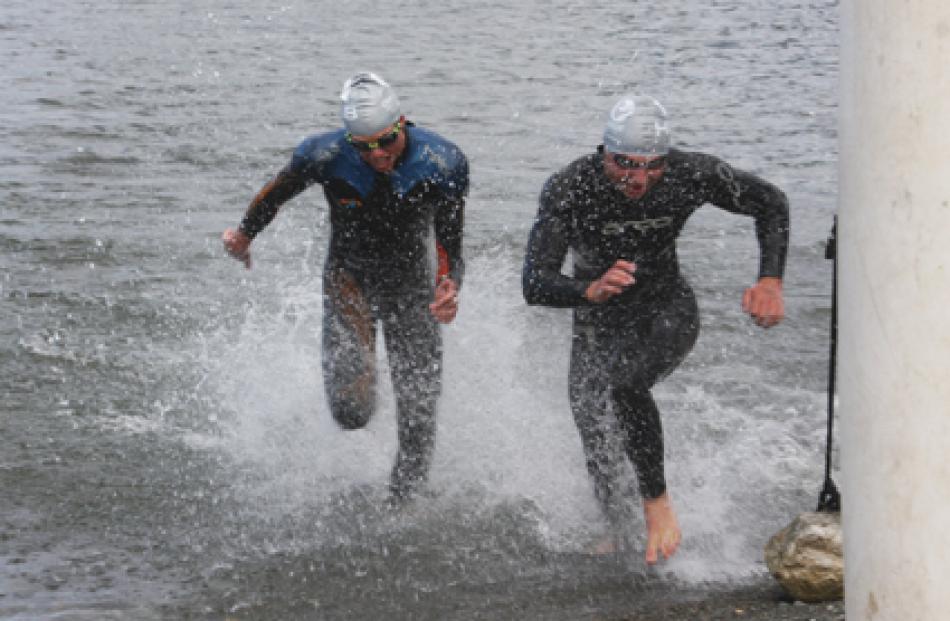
x: 388, y: 183
x: 620, y: 211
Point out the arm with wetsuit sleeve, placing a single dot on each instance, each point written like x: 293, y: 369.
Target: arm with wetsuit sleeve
x: 261, y: 211
x: 448, y: 223
x: 743, y: 193
x: 288, y: 183
x: 542, y: 282
x: 449, y: 218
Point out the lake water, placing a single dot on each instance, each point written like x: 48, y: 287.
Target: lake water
x: 165, y: 448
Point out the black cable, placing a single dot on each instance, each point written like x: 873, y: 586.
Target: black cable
x: 830, y: 500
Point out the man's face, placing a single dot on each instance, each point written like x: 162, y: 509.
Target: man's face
x: 381, y: 150
x: 634, y: 175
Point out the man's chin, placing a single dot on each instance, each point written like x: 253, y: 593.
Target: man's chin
x: 382, y: 167
x: 634, y: 192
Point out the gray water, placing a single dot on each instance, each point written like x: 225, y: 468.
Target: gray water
x: 165, y: 451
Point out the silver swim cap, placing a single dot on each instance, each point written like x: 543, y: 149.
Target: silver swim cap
x: 369, y: 104
x: 637, y: 126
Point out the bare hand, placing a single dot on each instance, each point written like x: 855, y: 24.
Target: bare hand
x: 764, y: 302
x: 445, y: 304
x: 238, y: 246
x: 613, y: 282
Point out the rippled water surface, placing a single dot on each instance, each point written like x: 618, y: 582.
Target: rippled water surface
x: 165, y: 450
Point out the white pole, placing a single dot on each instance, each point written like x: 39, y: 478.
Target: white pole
x: 894, y: 301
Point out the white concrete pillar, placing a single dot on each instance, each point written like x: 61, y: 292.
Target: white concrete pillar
x: 894, y: 308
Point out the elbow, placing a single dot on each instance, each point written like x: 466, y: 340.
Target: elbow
x: 780, y: 200
x: 530, y: 288
x: 530, y: 294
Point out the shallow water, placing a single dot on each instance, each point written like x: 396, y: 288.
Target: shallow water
x: 165, y: 451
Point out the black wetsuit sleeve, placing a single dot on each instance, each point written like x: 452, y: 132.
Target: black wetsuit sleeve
x: 542, y: 282
x: 287, y: 184
x: 448, y: 222
x: 743, y: 193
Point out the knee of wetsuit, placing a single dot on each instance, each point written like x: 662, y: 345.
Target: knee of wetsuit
x: 350, y: 414
x: 632, y: 391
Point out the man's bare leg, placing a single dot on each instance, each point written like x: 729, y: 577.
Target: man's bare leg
x: 663, y: 531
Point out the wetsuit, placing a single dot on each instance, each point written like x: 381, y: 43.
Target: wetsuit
x: 622, y: 347
x: 377, y: 270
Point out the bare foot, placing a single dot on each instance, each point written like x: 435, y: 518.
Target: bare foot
x: 663, y: 531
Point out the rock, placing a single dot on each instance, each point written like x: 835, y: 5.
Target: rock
x: 806, y: 557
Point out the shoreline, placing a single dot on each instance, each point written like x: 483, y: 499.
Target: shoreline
x: 763, y: 601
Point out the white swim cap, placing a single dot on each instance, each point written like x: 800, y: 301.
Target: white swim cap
x: 637, y: 126
x: 369, y: 104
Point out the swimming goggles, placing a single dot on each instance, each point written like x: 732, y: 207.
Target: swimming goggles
x: 380, y: 143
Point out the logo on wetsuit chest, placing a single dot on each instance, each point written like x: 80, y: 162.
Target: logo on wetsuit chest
x: 351, y: 203
x: 643, y: 226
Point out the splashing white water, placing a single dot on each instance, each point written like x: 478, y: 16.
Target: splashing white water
x: 504, y: 425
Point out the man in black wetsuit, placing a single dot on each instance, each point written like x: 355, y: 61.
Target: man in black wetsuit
x: 620, y: 210
x: 387, y: 183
